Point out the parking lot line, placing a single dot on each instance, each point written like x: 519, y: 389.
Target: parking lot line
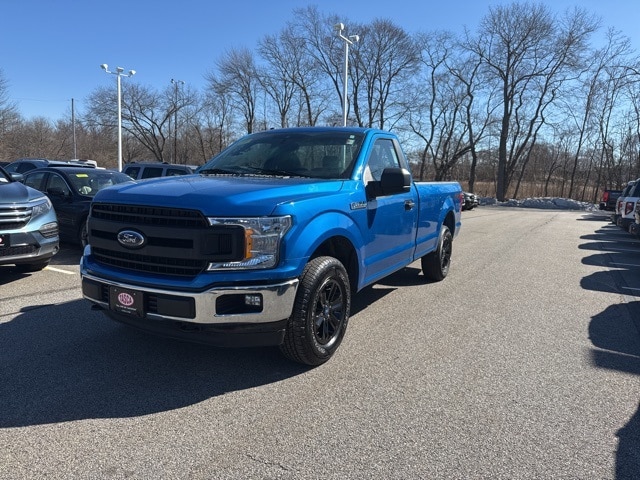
x: 60, y: 270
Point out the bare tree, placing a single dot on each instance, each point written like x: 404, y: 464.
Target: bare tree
x: 437, y: 106
x: 530, y: 52
x: 478, y: 104
x: 277, y: 78
x: 304, y: 71
x: 325, y: 49
x: 9, y: 116
x: 36, y: 138
x: 237, y: 78
x: 385, y: 58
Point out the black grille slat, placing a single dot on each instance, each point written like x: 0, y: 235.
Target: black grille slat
x: 150, y: 264
x: 142, y: 215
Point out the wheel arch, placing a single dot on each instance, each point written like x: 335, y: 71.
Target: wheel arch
x: 341, y: 248
x: 450, y: 221
x: 332, y: 234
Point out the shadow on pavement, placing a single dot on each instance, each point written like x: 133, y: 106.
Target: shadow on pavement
x: 66, y: 362
x: 615, y: 334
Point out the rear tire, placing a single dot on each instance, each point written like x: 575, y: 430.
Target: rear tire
x: 320, y: 313
x: 435, y: 265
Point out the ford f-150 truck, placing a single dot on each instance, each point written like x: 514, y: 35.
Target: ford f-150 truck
x: 267, y: 242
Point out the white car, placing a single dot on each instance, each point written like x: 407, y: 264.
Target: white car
x: 624, y: 215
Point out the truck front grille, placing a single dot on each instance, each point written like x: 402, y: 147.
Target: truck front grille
x: 178, y: 242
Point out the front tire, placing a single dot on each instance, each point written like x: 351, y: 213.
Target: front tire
x: 435, y: 265
x: 320, y: 313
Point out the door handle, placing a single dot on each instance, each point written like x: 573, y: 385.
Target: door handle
x: 409, y: 204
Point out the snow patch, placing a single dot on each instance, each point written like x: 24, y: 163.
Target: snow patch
x: 549, y: 203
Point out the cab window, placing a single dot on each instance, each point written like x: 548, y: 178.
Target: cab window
x: 383, y: 155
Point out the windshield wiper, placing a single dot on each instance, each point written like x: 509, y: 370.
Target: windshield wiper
x: 218, y: 171
x: 278, y: 172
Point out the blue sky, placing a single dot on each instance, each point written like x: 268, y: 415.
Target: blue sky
x: 51, y: 50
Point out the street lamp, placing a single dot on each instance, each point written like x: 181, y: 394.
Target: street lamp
x: 118, y: 73
x: 347, y: 41
x: 175, y: 120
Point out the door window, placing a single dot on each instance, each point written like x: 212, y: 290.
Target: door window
x: 383, y: 155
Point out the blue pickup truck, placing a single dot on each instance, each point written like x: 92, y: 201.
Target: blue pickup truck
x: 267, y: 242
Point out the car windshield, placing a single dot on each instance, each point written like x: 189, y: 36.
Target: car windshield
x: 323, y: 154
x: 91, y: 181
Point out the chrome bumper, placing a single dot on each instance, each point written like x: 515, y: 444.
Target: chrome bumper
x: 277, y: 301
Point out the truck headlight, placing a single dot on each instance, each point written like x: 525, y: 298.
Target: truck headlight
x: 262, y: 237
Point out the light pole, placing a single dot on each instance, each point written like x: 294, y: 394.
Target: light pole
x: 175, y: 120
x: 347, y: 41
x: 118, y: 73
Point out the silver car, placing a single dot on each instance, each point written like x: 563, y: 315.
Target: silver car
x: 28, y: 225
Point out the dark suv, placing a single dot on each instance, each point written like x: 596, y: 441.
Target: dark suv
x: 25, y: 164
x: 28, y: 225
x: 142, y: 170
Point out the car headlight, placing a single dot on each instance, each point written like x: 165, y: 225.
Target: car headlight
x: 42, y: 207
x: 262, y: 237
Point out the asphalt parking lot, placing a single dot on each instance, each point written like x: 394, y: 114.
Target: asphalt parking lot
x: 523, y: 363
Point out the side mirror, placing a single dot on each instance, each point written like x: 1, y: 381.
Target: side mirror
x: 392, y: 181
x: 18, y: 177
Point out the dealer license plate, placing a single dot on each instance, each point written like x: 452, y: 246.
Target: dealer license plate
x: 129, y: 302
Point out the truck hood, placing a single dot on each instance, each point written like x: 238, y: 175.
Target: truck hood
x: 219, y: 195
x: 16, y: 192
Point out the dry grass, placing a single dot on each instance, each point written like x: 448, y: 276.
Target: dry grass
x: 529, y: 190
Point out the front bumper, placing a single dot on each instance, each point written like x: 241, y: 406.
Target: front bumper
x: 219, y: 316
x: 29, y: 247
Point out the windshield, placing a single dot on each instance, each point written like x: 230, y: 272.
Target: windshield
x: 91, y: 181
x: 323, y: 154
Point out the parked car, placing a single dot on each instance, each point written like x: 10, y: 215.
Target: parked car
x: 620, y: 205
x: 25, y: 164
x: 28, y: 225
x: 470, y: 201
x: 626, y: 206
x: 609, y: 199
x: 71, y: 190
x: 142, y: 170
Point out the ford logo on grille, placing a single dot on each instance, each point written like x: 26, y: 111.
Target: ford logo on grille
x: 131, y: 239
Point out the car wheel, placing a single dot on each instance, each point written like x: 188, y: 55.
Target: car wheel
x: 320, y: 313
x: 32, y: 267
x: 435, y: 265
